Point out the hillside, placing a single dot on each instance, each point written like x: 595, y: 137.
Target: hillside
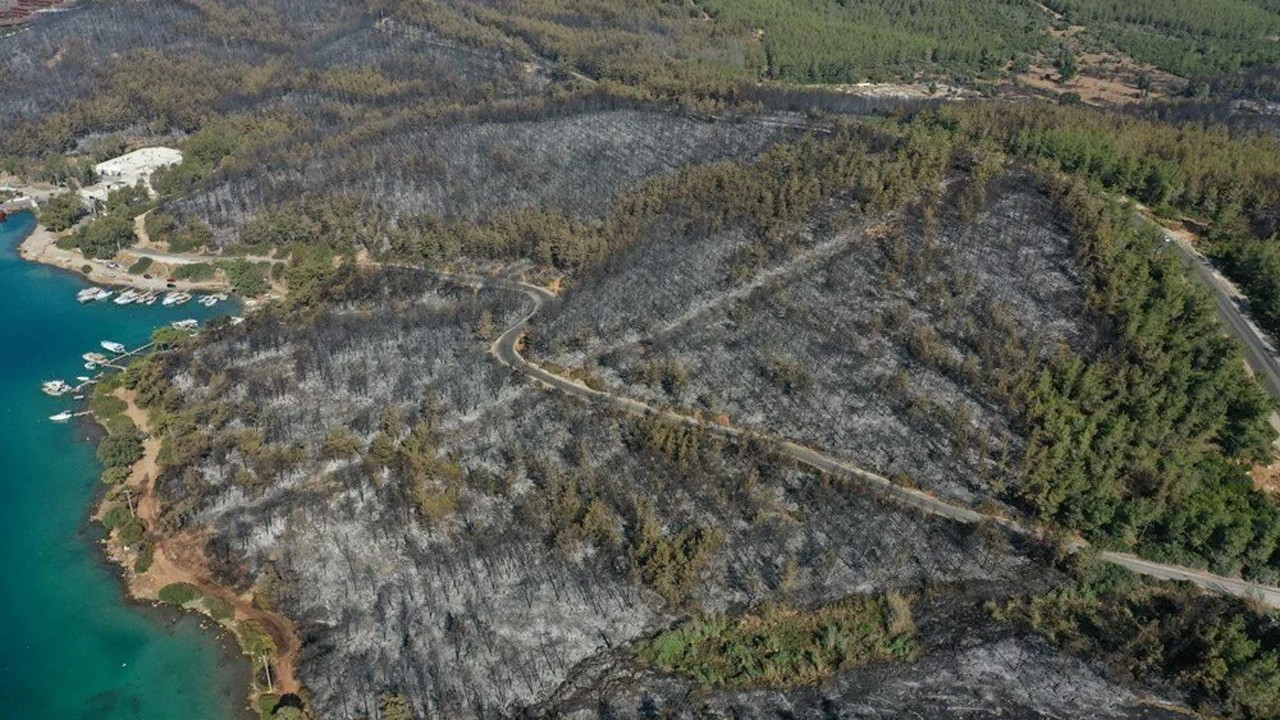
x: 689, y: 358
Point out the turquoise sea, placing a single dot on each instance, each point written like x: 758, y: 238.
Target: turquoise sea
x: 72, y: 646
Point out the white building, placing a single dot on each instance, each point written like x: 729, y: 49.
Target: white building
x: 128, y: 169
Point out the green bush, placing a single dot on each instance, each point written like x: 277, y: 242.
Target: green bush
x: 116, y: 475
x: 61, y: 211
x: 115, y: 516
x: 146, y: 554
x: 179, y: 593
x: 104, y: 237
x: 782, y: 647
x: 106, y: 406
x: 120, y: 450
x: 247, y: 278
x: 131, y: 532
x: 194, y: 272
x: 121, y: 425
x: 141, y: 265
x: 218, y: 608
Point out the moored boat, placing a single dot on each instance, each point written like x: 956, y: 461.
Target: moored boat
x: 55, y: 387
x: 63, y: 416
x: 114, y: 347
x: 188, y: 324
x: 88, y: 295
x: 127, y: 297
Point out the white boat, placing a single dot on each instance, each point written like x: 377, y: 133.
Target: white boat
x: 63, y: 416
x: 55, y: 387
x: 150, y: 298
x: 114, y: 347
x: 103, y: 294
x: 236, y: 319
x: 188, y: 324
x: 175, y: 298
x: 208, y: 301
x: 90, y: 366
x: 88, y: 294
x: 83, y: 378
x: 95, y: 358
x: 126, y: 297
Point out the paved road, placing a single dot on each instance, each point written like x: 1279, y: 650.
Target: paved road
x: 1258, y: 351
x: 507, y: 349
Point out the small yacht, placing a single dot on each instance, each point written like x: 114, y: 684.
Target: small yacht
x: 63, y: 416
x: 103, y: 294
x: 176, y: 297
x: 83, y: 378
x: 114, y: 347
x: 188, y: 324
x: 95, y: 358
x: 88, y: 294
x: 55, y: 387
x: 127, y: 297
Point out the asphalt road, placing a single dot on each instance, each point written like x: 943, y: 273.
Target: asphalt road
x: 1258, y: 351
x: 507, y: 350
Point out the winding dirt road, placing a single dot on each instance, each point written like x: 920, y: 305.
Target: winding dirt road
x: 507, y: 350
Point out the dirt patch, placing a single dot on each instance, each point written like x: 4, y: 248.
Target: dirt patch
x: 41, y: 246
x: 180, y: 557
x: 1103, y: 78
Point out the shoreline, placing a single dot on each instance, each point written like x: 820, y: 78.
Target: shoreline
x: 40, y: 246
x: 231, y: 656
x: 178, y: 558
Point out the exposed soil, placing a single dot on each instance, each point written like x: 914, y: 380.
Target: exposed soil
x: 180, y: 557
x: 41, y: 246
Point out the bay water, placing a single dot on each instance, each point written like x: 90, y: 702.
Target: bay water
x: 72, y: 647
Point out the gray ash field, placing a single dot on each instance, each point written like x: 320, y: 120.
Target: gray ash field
x: 498, y: 566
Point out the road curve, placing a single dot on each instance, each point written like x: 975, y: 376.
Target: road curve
x: 507, y: 350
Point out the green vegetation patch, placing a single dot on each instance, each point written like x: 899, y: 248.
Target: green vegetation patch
x: 247, y: 278
x: 1223, y: 652
x: 179, y: 593
x: 782, y: 647
x: 1187, y: 37
x: 218, y: 608
x: 195, y: 272
x: 833, y: 41
x: 141, y: 265
x: 61, y: 211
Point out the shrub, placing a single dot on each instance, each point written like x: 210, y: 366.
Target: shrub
x: 115, y: 475
x: 131, y: 532
x: 146, y: 554
x: 61, y: 211
x: 121, y: 425
x: 194, y: 272
x: 116, y: 516
x: 179, y: 593
x: 140, y: 266
x: 783, y: 647
x: 106, y: 406
x: 120, y: 450
x: 218, y: 608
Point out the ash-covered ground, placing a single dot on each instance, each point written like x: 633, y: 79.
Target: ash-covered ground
x: 493, y: 549
x: 879, y: 339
